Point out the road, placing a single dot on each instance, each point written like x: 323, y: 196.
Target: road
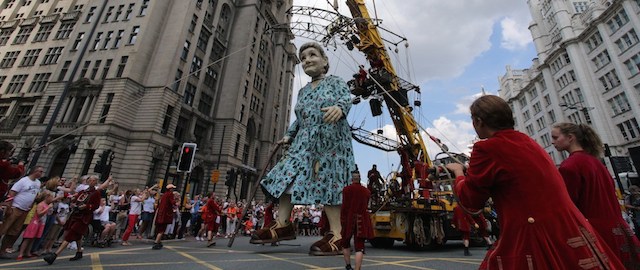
x: 191, y: 254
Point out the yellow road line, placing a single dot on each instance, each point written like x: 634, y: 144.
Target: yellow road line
x: 201, y: 262
x: 310, y: 266
x: 95, y: 262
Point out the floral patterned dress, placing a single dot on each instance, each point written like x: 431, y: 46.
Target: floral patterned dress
x: 315, y: 142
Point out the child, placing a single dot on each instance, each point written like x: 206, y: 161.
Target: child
x: 36, y: 226
x: 61, y: 217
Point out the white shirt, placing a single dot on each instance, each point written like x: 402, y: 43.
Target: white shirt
x: 63, y: 212
x: 104, y: 215
x: 26, y: 191
x: 81, y: 187
x: 147, y: 205
x: 136, y: 206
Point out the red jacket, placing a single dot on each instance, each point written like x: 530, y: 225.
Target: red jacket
x: 8, y: 171
x: 540, y: 227
x: 462, y: 220
x: 592, y: 190
x: 213, y: 210
x: 165, y: 208
x: 354, y: 213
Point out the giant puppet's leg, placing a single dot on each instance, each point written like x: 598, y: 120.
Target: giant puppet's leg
x: 331, y: 243
x: 279, y: 230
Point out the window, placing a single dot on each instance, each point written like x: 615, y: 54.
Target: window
x: 39, y: 82
x: 537, y: 108
x: 90, y: 14
x: 65, y: 69
x: 601, y: 59
x: 633, y: 64
x: 618, y: 21
x: 120, y: 8
x: 546, y: 140
x: 210, y: 78
x: 143, y: 8
x: 166, y: 123
x: 194, y: 22
x: 22, y: 113
x: 106, y: 107
x: 16, y: 83
x: 65, y: 30
x: 552, y: 116
x: 108, y: 14
x: 134, y: 35
x: 127, y: 16
x: 121, y: 66
x: 610, y: 80
x: 627, y: 40
x: 189, y: 94
x: 43, y: 33
x: 594, y: 41
x: 52, y: 56
x: 84, y: 69
x: 105, y: 69
x: 76, y: 43
x: 580, y: 6
x: 176, y: 82
x: 185, y: 50
x: 619, y: 104
x: 23, y: 35
x: 107, y: 39
x: 94, y: 71
x: 541, y: 123
x: 4, y: 36
x: 629, y: 129
x: 530, y: 131
x: 2, y: 79
x: 206, y: 103
x: 237, y: 145
x: 118, y: 41
x: 96, y: 42
x: 30, y: 57
x: 45, y: 109
x: 241, y: 112
x: 196, y: 65
x: 203, y: 39
x: 9, y: 59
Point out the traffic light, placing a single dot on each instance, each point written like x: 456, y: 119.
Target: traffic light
x: 231, y: 178
x: 187, y: 153
x: 101, y: 164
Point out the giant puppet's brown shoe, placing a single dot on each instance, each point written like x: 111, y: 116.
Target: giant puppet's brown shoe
x: 273, y: 233
x: 327, y: 246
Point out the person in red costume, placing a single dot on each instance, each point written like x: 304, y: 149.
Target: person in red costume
x: 165, y: 214
x: 77, y: 225
x: 592, y: 190
x: 541, y: 228
x: 213, y: 211
x: 355, y: 220
x: 8, y: 170
x: 462, y: 222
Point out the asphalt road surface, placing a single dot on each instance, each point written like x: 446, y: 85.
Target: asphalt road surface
x: 192, y: 254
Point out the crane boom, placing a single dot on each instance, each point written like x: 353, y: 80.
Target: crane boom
x: 371, y: 44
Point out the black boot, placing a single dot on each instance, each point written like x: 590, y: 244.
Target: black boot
x: 157, y: 246
x: 466, y: 252
x: 50, y: 258
x: 77, y: 257
x: 348, y: 267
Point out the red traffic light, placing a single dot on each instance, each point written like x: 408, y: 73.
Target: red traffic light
x: 186, y: 150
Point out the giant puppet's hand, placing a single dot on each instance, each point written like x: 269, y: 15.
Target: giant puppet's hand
x: 332, y: 114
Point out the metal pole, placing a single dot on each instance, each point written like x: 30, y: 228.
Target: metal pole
x: 166, y: 172
x: 219, y: 156
x: 65, y: 91
x: 607, y: 152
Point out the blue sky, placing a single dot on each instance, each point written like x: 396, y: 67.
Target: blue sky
x: 456, y: 47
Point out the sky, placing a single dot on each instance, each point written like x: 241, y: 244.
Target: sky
x: 455, y: 49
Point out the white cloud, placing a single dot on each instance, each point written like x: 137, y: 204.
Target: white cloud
x: 515, y: 35
x: 456, y: 135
